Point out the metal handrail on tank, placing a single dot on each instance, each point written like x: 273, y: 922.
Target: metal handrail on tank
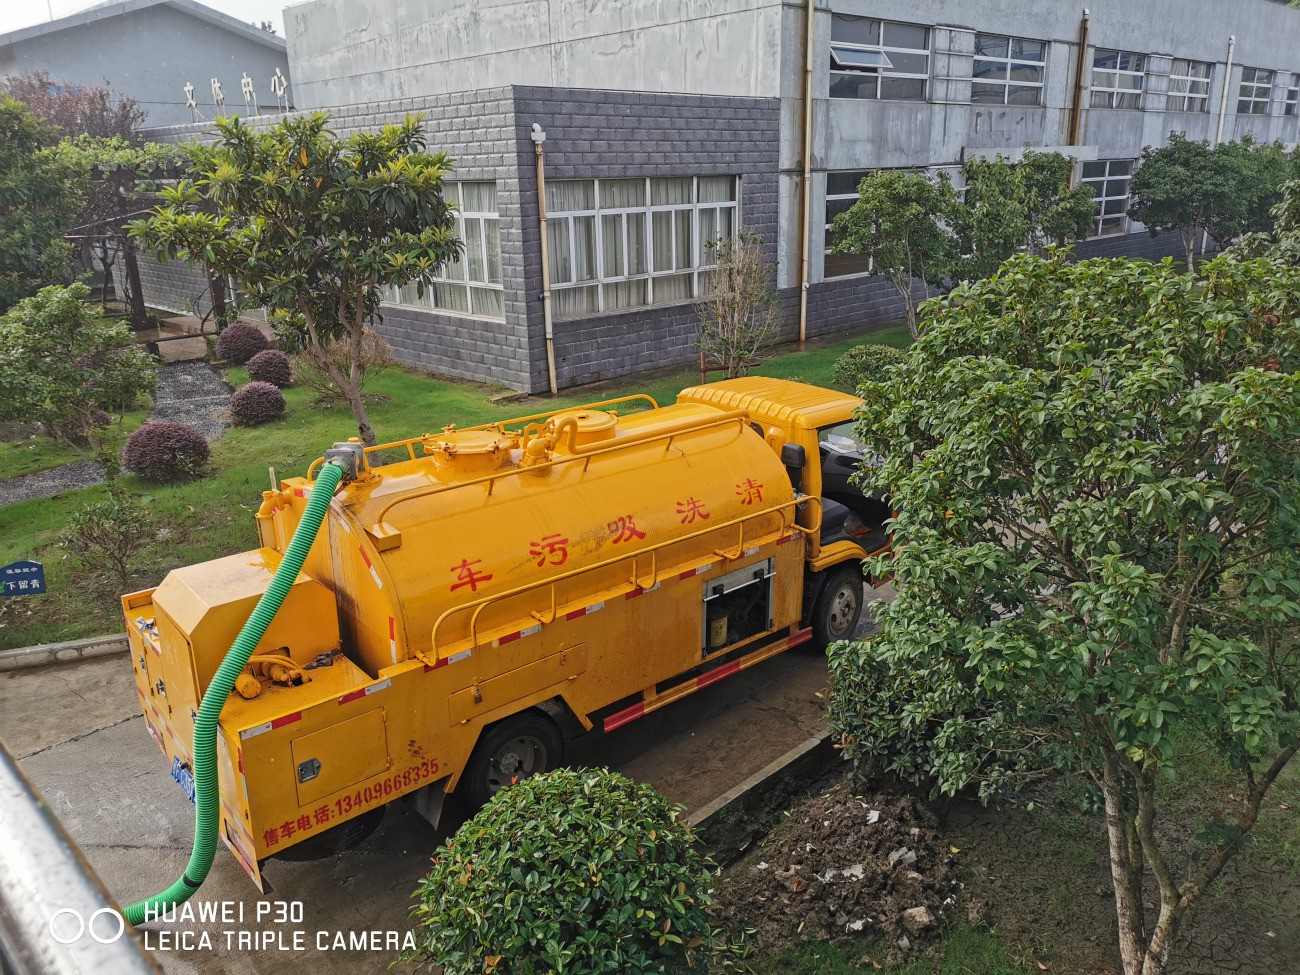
x: 480, y: 604
x: 580, y: 453
x: 497, y: 425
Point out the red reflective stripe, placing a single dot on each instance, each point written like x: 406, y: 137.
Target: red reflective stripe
x: 802, y: 636
x: 239, y: 757
x: 509, y: 639
x: 625, y: 716
x: 365, y: 558
x: 392, y: 628
x: 576, y: 614
x: 717, y: 673
x: 285, y: 719
x: 352, y: 696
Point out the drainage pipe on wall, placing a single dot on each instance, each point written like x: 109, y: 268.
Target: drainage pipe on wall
x: 539, y: 136
x: 1223, y: 113
x: 1080, y: 72
x: 806, y: 187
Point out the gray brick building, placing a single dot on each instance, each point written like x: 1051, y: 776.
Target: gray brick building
x: 669, y: 124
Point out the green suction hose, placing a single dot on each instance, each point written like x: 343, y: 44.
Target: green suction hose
x: 206, y: 810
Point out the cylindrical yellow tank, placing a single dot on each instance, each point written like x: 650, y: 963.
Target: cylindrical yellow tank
x: 600, y: 503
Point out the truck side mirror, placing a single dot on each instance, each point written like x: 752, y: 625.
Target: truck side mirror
x: 794, y: 456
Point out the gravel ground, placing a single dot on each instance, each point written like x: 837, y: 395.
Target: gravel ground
x: 187, y: 392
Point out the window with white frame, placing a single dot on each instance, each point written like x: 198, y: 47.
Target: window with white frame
x: 1007, y: 70
x: 1256, y: 89
x: 471, y: 284
x: 1117, y: 79
x: 1292, y: 95
x: 842, y: 193
x: 625, y: 243
x: 879, y: 59
x: 1109, y: 181
x: 1189, y: 86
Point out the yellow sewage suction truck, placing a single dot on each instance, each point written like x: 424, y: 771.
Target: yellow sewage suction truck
x: 436, y: 622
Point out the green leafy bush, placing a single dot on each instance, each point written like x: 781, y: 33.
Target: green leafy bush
x: 165, y: 451
x: 68, y: 368
x: 256, y: 403
x: 270, y: 366
x: 576, y: 871
x: 864, y: 363
x: 108, y: 535
x: 239, y: 342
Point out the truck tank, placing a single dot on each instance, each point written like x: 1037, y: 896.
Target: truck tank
x: 425, y: 553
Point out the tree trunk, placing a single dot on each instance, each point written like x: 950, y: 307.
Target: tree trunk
x: 904, y: 286
x: 353, y: 387
x: 1126, y: 875
x: 1189, y: 245
x: 133, y: 284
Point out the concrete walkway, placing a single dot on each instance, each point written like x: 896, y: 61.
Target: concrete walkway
x: 188, y: 392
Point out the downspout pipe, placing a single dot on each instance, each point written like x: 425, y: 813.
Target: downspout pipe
x: 805, y: 224
x: 539, y: 137
x: 1223, y: 114
x: 1080, y: 73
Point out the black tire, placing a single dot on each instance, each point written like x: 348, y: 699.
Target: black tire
x: 838, y: 608
x: 523, y: 745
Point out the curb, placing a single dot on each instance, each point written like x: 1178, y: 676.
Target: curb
x: 730, y: 823
x: 65, y: 652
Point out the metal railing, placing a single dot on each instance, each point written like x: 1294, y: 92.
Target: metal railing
x: 56, y: 918
x: 476, y: 607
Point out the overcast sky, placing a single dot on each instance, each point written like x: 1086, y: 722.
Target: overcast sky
x: 24, y: 13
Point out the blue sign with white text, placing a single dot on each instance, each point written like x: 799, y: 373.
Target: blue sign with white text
x: 22, y: 578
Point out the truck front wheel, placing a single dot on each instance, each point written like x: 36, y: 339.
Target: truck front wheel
x: 839, y: 607
x: 509, y: 751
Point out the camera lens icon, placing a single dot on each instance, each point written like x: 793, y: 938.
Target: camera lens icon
x: 76, y: 927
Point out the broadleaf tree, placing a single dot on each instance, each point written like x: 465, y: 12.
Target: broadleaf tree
x: 1096, y: 467
x: 901, y: 222
x: 1194, y: 188
x: 39, y: 199
x: 68, y: 369
x: 314, y: 227
x: 1022, y: 206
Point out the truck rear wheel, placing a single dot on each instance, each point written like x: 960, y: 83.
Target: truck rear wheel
x: 839, y: 607
x: 509, y: 751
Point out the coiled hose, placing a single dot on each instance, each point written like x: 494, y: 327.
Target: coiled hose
x: 206, y: 789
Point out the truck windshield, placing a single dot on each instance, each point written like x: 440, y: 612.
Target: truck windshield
x: 840, y: 438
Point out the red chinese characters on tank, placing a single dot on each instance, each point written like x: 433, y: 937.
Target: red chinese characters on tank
x: 624, y: 529
x: 551, y: 550
x: 691, y: 509
x: 467, y: 575
x: 749, y: 491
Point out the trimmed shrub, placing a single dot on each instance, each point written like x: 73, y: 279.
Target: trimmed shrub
x: 107, y: 535
x: 239, y: 342
x: 576, y: 870
x: 864, y: 362
x: 165, y: 451
x: 270, y: 366
x: 256, y: 403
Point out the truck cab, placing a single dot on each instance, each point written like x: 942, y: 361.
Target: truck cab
x: 811, y: 429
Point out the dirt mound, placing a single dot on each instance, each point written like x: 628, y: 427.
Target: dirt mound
x: 844, y: 867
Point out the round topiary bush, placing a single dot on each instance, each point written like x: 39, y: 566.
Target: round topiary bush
x: 165, y: 452
x: 258, y: 402
x: 270, y: 366
x: 576, y: 870
x: 239, y: 342
x: 864, y: 362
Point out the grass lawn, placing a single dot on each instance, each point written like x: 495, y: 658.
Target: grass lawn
x: 963, y: 950
x: 18, y: 457
x: 213, y: 516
